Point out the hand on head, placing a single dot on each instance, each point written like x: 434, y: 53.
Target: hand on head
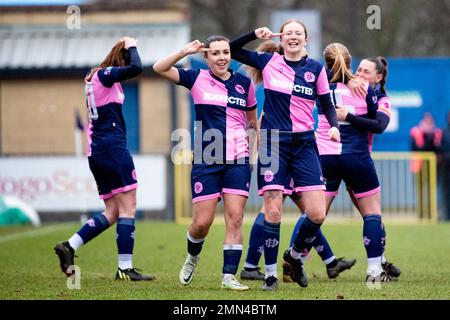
x: 265, y: 33
x: 193, y: 47
x: 129, y: 42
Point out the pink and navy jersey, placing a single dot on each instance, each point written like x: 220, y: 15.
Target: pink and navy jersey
x: 106, y: 124
x: 384, y: 106
x: 290, y: 89
x: 221, y: 105
x: 353, y: 140
x: 104, y: 99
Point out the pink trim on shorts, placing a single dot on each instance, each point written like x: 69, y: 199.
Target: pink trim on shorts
x: 288, y: 191
x: 270, y: 187
x: 310, y: 188
x: 207, y: 197
x: 367, y: 193
x: 118, y: 190
x: 331, y: 193
x: 235, y: 191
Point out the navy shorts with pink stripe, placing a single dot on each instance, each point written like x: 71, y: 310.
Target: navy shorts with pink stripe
x: 210, y: 181
x: 297, y: 157
x: 113, y: 171
x: 357, y: 171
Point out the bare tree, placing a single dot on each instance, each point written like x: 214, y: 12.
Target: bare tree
x: 408, y: 27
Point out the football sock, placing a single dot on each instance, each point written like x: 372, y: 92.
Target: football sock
x: 271, y: 244
x: 231, y: 256
x: 125, y: 242
x: 194, y: 246
x: 372, y: 234
x: 256, y: 242
x: 92, y: 228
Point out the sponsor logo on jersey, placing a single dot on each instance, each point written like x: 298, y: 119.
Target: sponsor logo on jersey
x: 293, y: 87
x: 224, y: 98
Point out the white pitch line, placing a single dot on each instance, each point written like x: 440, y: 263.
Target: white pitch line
x: 32, y: 233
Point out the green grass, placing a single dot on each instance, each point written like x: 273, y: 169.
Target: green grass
x: 29, y: 269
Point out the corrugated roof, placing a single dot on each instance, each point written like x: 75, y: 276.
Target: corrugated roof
x: 55, y: 47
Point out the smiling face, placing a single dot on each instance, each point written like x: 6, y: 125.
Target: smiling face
x: 293, y: 39
x: 367, y: 70
x: 218, y: 57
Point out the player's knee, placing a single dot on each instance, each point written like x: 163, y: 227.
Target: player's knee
x: 200, y: 228
x: 273, y: 216
x: 317, y: 218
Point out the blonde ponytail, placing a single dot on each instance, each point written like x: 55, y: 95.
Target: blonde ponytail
x: 338, y: 59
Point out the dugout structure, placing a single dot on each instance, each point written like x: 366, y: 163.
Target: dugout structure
x: 408, y: 190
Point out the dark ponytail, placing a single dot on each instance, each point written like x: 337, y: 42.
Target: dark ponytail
x: 381, y: 66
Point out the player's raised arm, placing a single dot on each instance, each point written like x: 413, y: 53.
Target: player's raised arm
x: 165, y: 66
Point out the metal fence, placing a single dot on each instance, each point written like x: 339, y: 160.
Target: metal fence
x: 408, y: 189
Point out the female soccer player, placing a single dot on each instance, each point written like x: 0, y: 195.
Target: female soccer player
x: 251, y: 271
x: 225, y: 106
x: 291, y: 86
x: 374, y: 70
x: 350, y: 159
x: 109, y: 160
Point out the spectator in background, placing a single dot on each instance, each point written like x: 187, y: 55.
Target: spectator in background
x: 444, y: 170
x: 425, y: 137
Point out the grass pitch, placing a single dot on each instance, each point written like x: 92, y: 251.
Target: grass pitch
x: 29, y: 269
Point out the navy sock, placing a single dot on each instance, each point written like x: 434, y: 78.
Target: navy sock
x: 322, y: 246
x: 383, y: 236
x: 125, y: 235
x: 297, y: 226
x: 256, y: 241
x: 372, y: 235
x: 306, y: 235
x: 93, y: 227
x: 194, y: 246
x: 231, y: 256
x: 271, y: 242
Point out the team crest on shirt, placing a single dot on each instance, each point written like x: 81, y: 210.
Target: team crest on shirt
x: 212, y: 83
x: 309, y: 76
x: 198, y: 187
x: 239, y: 89
x: 107, y: 71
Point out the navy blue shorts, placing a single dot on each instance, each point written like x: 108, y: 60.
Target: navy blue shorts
x: 209, y: 181
x: 113, y: 171
x: 357, y: 171
x: 296, y: 156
